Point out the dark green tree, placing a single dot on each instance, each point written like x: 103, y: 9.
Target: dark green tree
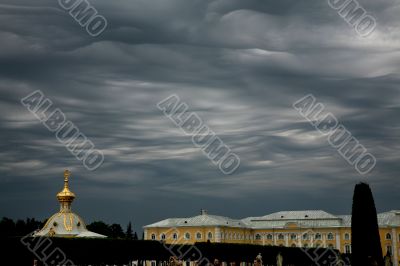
x: 366, y: 244
x: 129, y: 233
x: 116, y: 231
x: 7, y: 227
x: 20, y: 228
x: 135, y: 236
x: 100, y: 228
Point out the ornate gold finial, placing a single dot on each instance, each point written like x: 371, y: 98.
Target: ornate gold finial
x: 67, y: 174
x: 66, y: 195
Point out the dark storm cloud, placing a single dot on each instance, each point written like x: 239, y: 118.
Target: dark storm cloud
x: 238, y: 64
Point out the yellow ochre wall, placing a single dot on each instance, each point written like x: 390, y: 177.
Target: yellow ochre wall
x: 248, y: 236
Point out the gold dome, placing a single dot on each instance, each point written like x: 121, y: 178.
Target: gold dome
x: 66, y: 195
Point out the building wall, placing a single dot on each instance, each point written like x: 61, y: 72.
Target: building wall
x: 330, y: 237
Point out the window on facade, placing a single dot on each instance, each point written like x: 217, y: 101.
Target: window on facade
x: 305, y: 245
x: 347, y: 236
x: 389, y: 249
x: 305, y: 236
x: 175, y: 236
x: 210, y: 235
x: 281, y: 237
x: 293, y: 245
x: 331, y: 246
x: 234, y: 236
x: 330, y: 236
x: 388, y: 236
x: 198, y: 235
x: 153, y: 237
x: 163, y: 236
x: 187, y: 236
x: 347, y: 249
x: 318, y: 236
x: 258, y: 237
x: 269, y: 237
x: 293, y: 236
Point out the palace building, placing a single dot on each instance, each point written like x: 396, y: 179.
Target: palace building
x: 313, y: 228
x: 65, y: 223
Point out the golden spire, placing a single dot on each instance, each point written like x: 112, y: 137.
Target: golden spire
x: 67, y: 174
x: 66, y: 195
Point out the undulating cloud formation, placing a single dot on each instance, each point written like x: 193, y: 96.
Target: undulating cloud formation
x: 238, y: 64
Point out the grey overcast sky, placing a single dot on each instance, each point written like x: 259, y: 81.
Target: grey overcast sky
x: 239, y: 64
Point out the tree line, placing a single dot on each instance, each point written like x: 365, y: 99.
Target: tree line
x: 9, y: 228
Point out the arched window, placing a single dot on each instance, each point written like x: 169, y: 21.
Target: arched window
x: 210, y: 235
x: 269, y: 237
x: 258, y: 237
x: 305, y: 236
x: 198, y: 236
x: 318, y: 236
x: 187, y: 235
x: 388, y: 236
x: 175, y: 236
x: 347, y: 237
x: 293, y: 236
x: 234, y: 236
x: 293, y: 245
x: 305, y: 245
x: 331, y: 246
x: 163, y: 236
x: 153, y: 237
x: 281, y: 237
x: 330, y: 236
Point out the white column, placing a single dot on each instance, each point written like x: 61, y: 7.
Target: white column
x: 394, y: 247
x: 217, y: 235
x: 287, y: 239
x: 338, y: 246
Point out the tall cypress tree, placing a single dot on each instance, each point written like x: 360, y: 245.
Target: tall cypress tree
x: 129, y: 234
x: 365, y: 241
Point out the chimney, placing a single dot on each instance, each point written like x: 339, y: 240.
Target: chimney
x: 203, y: 212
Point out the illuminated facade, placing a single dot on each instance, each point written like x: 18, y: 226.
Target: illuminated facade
x: 65, y: 223
x: 314, y: 228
